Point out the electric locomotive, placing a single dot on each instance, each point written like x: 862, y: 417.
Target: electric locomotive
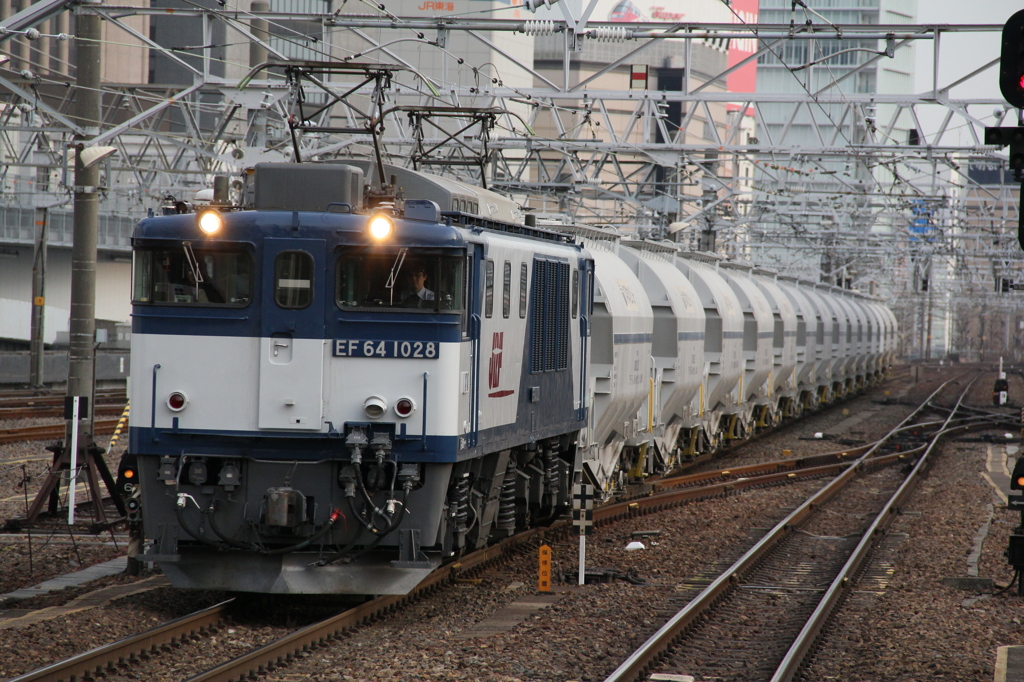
x: 342, y: 386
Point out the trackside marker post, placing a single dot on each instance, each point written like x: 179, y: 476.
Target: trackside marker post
x: 583, y: 518
x: 75, y: 416
x: 544, y: 579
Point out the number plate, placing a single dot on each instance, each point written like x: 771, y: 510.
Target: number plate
x: 370, y: 348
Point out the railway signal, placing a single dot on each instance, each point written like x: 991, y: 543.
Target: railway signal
x: 1015, y: 550
x: 1011, y: 61
x: 1011, y: 85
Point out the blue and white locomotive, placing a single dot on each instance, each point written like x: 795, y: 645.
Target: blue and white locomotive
x: 369, y: 370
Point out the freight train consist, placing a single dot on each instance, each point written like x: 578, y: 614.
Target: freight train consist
x: 365, y: 371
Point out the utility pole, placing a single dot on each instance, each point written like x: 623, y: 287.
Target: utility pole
x: 36, y: 350
x: 88, y: 35
x: 80, y: 450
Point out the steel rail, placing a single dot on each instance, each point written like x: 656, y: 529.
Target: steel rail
x: 794, y: 463
x: 29, y: 398
x: 45, y: 431
x: 844, y: 581
x: 47, y: 411
x: 284, y: 649
x: 640, y: 661
x: 85, y: 665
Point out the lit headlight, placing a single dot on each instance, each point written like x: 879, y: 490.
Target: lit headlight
x: 380, y: 226
x: 210, y: 220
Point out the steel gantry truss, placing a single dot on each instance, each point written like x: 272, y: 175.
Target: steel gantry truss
x: 837, y: 187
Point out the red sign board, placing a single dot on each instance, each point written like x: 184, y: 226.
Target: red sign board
x: 743, y: 79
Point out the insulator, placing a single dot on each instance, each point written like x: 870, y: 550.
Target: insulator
x: 539, y: 27
x: 610, y: 34
x: 507, y: 500
x: 460, y: 504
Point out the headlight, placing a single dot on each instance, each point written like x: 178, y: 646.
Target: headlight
x: 209, y: 220
x: 380, y: 226
x: 375, y: 407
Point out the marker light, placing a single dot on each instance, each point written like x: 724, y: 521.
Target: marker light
x: 1022, y: 82
x: 129, y: 473
x: 404, y: 407
x: 381, y: 226
x: 210, y: 220
x: 177, y: 401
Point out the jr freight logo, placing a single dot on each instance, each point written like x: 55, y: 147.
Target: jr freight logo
x: 494, y: 371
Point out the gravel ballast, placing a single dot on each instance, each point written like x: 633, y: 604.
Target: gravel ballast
x: 916, y: 628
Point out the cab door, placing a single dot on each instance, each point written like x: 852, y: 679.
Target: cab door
x: 292, y: 339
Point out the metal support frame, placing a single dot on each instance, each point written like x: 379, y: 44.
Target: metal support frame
x: 596, y: 155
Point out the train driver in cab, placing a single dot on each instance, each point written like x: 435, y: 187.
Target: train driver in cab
x: 418, y: 292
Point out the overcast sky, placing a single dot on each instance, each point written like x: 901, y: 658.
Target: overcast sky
x: 961, y: 54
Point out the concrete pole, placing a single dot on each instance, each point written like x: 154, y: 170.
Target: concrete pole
x: 45, y: 48
x: 36, y: 367
x: 61, y: 50
x: 83, y: 254
x: 6, y: 10
x: 260, y: 29
x: 256, y: 136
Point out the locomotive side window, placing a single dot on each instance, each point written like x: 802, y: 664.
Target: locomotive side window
x: 402, y: 278
x: 183, y: 274
x: 293, y: 279
x: 522, y: 291
x: 575, y: 293
x: 489, y: 289
x: 506, y: 297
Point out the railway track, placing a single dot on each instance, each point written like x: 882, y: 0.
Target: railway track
x: 48, y: 412
x: 27, y: 398
x: 50, y: 431
x: 667, y: 492
x: 760, y: 617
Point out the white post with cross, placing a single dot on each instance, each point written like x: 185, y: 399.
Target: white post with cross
x: 583, y: 518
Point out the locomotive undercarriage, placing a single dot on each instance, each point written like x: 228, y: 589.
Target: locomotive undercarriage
x: 492, y: 497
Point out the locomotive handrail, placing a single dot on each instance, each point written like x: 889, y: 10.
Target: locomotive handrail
x: 152, y: 406
x: 243, y: 318
x: 423, y: 433
x: 375, y: 317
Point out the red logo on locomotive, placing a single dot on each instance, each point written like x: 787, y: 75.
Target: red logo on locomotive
x: 494, y: 373
x: 494, y: 370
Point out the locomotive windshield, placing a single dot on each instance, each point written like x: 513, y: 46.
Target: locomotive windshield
x: 405, y: 278
x: 184, y: 274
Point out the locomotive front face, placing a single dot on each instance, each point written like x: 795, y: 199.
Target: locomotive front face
x: 288, y: 371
